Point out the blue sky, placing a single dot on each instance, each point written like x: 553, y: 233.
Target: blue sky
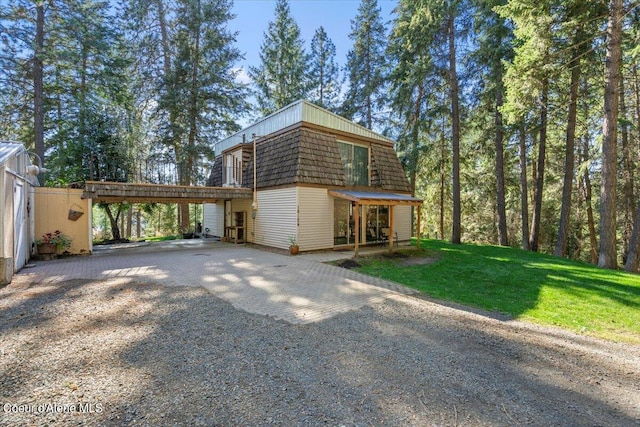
x: 253, y: 17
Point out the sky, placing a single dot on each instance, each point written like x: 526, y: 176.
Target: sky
x: 253, y: 17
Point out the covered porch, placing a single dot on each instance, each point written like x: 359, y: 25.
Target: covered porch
x: 378, y: 222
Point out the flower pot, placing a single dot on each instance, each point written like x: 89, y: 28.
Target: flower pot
x: 47, y: 249
x: 293, y: 250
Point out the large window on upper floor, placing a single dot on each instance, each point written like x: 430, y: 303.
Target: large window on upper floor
x: 355, y: 161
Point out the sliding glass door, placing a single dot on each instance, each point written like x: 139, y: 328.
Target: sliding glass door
x: 374, y: 222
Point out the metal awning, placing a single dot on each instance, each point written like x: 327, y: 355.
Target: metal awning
x: 375, y: 197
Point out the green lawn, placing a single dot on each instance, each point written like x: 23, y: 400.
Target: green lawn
x: 523, y: 285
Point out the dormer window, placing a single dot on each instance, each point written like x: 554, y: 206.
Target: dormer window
x: 355, y: 162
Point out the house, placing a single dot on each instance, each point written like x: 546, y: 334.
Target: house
x: 318, y: 179
x: 17, y: 179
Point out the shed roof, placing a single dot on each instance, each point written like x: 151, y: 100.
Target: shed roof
x: 8, y: 149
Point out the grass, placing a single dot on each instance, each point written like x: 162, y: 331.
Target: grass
x: 523, y: 285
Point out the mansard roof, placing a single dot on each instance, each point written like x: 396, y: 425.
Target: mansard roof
x: 304, y: 152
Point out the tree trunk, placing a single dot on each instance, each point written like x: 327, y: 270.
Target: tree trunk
x: 524, y: 190
x: 627, y: 173
x: 586, y: 183
x: 455, y: 132
x: 38, y: 84
x: 129, y: 221
x: 608, y: 254
x: 499, y: 143
x: 534, y: 236
x: 413, y: 150
x: 633, y: 257
x: 569, y: 160
x: 113, y: 220
x: 442, y: 182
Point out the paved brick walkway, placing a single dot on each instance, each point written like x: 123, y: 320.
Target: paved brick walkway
x: 296, y: 289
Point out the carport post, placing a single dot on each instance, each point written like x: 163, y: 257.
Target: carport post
x: 418, y: 229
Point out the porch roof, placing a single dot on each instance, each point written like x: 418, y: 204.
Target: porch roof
x: 375, y: 197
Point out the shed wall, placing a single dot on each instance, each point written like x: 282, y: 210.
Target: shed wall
x: 6, y: 225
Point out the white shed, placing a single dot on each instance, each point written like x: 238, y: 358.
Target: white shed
x: 17, y: 177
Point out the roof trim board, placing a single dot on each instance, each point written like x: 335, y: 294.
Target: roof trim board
x: 375, y: 197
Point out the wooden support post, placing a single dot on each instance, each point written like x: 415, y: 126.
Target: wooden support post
x: 391, y: 233
x: 418, y: 230
x: 356, y: 224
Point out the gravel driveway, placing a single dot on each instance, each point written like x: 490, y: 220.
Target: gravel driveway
x: 129, y: 351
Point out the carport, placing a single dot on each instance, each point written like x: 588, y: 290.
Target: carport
x: 118, y: 192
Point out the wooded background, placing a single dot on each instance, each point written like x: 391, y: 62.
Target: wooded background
x: 516, y: 121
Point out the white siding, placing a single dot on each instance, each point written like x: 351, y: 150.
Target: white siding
x: 402, y: 222
x: 316, y: 219
x: 213, y: 219
x: 277, y: 217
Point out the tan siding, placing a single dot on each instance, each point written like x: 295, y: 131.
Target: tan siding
x: 402, y: 222
x: 213, y: 219
x: 244, y: 205
x: 277, y: 217
x: 316, y: 219
x: 52, y: 207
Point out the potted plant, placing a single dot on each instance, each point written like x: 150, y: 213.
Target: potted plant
x: 293, y: 246
x: 50, y: 243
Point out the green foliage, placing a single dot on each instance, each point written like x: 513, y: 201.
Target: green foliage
x: 366, y: 66
x: 56, y: 238
x: 522, y: 285
x: 325, y: 82
x: 281, y: 77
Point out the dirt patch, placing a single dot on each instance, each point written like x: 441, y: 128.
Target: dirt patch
x: 348, y: 264
x: 394, y: 255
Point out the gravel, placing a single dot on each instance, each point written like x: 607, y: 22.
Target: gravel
x: 115, y: 352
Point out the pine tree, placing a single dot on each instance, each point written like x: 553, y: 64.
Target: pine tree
x: 607, y: 255
x: 324, y: 71
x: 527, y: 81
x: 281, y: 77
x: 494, y: 39
x: 201, y: 94
x: 366, y: 66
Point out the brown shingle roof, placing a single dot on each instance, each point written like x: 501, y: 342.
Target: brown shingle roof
x: 306, y: 156
x: 388, y: 171
x: 299, y: 156
x: 215, y: 177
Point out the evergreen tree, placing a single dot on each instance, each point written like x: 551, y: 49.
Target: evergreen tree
x: 607, y: 255
x: 324, y: 71
x: 281, y: 77
x: 494, y: 38
x: 527, y: 80
x: 366, y: 66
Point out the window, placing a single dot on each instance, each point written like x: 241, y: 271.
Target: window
x: 233, y: 169
x: 355, y: 161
